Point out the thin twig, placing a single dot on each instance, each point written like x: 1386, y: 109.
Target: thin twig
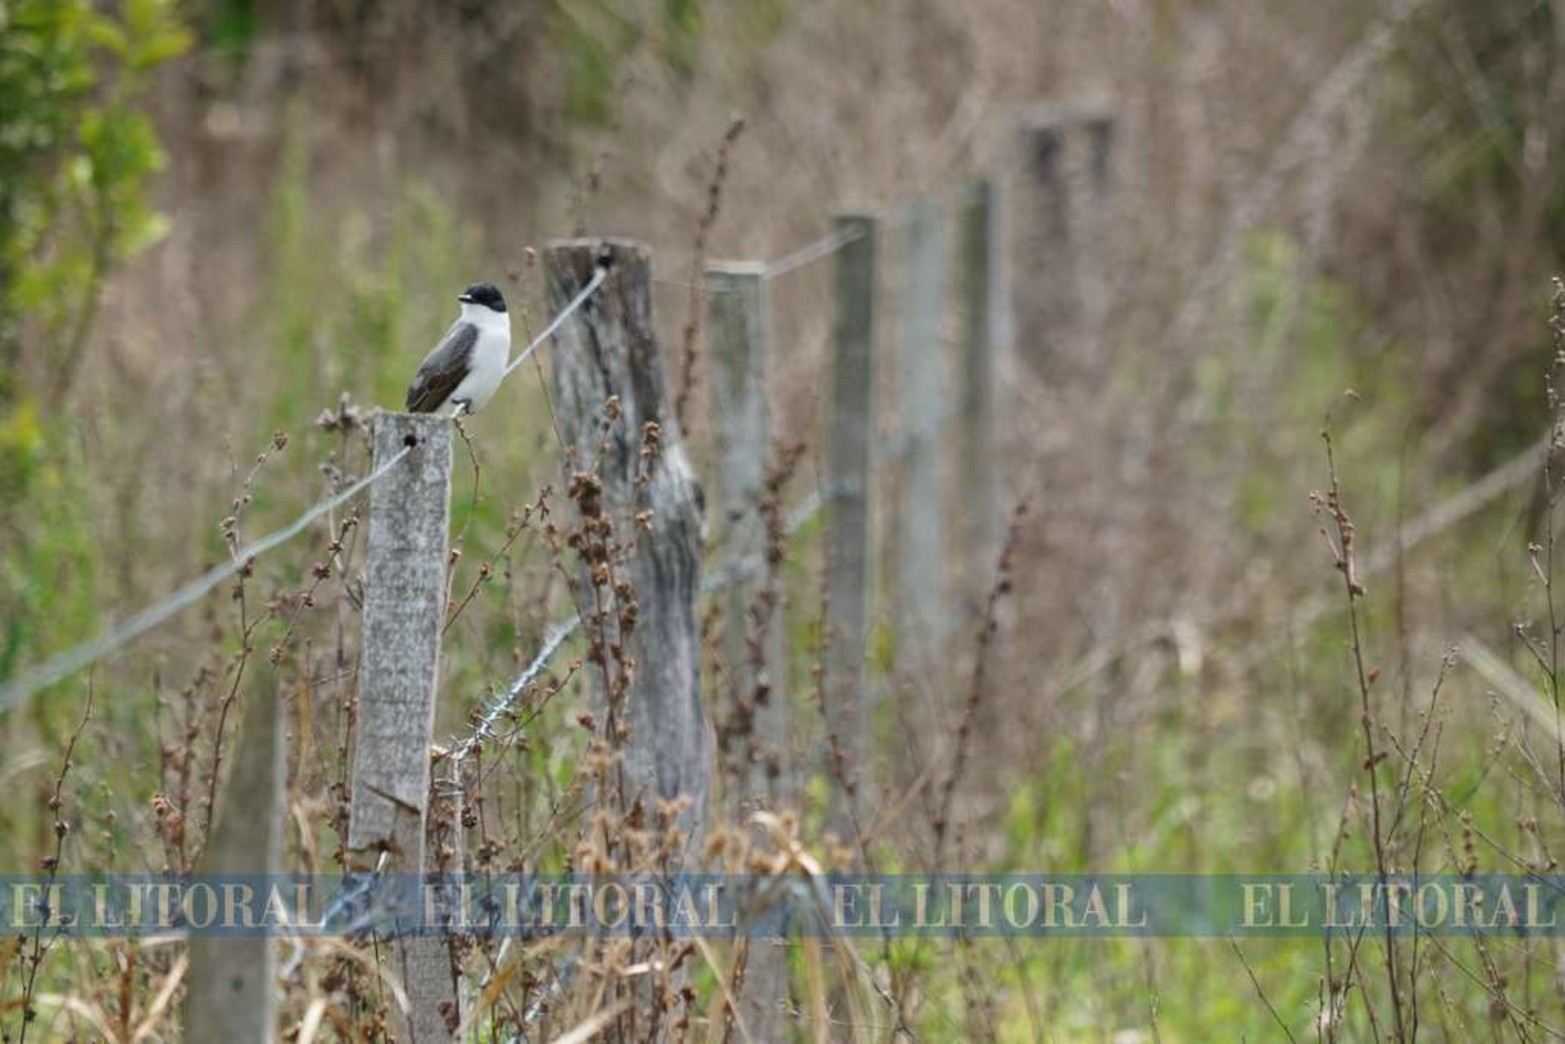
x: 51, y: 868
x: 714, y: 202
x: 1276, y: 1017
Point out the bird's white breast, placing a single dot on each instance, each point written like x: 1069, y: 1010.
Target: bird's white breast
x: 490, y: 355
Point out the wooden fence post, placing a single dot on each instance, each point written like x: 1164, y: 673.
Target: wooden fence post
x: 1046, y: 297
x: 980, y: 279
x: 1066, y: 178
x: 607, y: 348
x: 847, y: 492
x: 737, y: 328
x: 404, y: 612
x: 737, y: 331
x: 1098, y: 132
x: 921, y: 541
x: 231, y: 993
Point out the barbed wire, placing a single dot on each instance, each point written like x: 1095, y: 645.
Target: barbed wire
x: 67, y: 663
x: 725, y: 576
x: 489, y: 720
x: 496, y: 710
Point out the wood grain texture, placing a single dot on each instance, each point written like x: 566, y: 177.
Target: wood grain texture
x: 608, y: 348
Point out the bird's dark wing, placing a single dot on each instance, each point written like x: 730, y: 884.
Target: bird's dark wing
x: 443, y: 369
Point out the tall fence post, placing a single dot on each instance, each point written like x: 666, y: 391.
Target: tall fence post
x: 404, y: 612
x: 737, y: 327
x: 922, y: 380
x: 980, y: 280
x: 607, y: 348
x: 231, y: 993
x: 1066, y: 178
x: 847, y: 490
x: 1099, y: 132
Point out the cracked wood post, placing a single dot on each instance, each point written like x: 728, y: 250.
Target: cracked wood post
x: 737, y: 331
x: 399, y: 668
x: 231, y: 993
x: 608, y: 348
x: 980, y: 492
x: 921, y: 547
x: 847, y: 492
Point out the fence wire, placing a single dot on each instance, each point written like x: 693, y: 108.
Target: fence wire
x: 73, y: 660
x: 496, y: 710
x: 806, y: 255
x: 599, y: 274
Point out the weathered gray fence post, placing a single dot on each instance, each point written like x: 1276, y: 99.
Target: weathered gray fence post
x: 847, y: 490
x: 737, y: 331
x: 737, y: 326
x: 922, y: 415
x: 1066, y: 178
x: 1098, y: 131
x: 980, y: 282
x: 606, y: 349
x: 399, y: 667
x: 1046, y: 294
x: 231, y: 993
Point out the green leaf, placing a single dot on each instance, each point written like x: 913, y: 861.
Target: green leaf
x: 169, y: 43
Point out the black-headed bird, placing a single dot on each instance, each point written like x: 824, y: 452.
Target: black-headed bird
x: 466, y: 367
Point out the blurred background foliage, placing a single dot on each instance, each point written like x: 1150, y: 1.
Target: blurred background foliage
x: 219, y: 216
x: 78, y: 151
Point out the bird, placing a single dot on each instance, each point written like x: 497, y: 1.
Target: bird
x: 464, y: 369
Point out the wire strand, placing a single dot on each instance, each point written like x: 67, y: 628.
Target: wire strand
x: 67, y: 663
x: 823, y: 247
x: 599, y: 274
x: 497, y: 710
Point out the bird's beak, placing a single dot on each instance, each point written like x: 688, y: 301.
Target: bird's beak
x: 465, y: 298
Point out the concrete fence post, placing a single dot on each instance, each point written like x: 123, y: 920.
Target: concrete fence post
x: 980, y: 493
x: 922, y: 384
x: 737, y: 331
x: 399, y: 668
x: 848, y: 495
x: 737, y: 327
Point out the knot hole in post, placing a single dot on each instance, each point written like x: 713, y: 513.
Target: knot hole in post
x: 410, y: 440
